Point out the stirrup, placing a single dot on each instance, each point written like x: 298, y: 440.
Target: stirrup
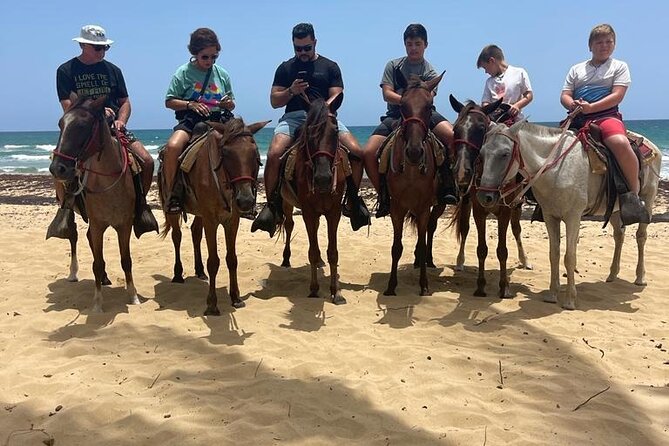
x: 632, y: 209
x: 265, y: 221
x: 145, y: 222
x: 538, y: 214
x: 63, y: 225
x: 357, y: 213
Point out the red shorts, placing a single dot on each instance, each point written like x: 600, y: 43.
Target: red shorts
x: 611, y: 126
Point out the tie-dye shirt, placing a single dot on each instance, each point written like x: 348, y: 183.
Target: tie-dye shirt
x: 187, y: 83
x: 592, y: 83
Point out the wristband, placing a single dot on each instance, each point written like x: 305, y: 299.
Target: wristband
x: 188, y: 105
x: 290, y: 92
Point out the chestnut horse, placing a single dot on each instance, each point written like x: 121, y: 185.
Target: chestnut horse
x: 318, y: 189
x: 87, y: 152
x: 411, y: 176
x: 469, y: 130
x: 222, y: 184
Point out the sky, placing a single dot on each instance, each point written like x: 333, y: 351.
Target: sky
x: 544, y: 37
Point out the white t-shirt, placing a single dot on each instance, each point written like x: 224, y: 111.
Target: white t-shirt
x: 511, y: 85
x: 592, y: 83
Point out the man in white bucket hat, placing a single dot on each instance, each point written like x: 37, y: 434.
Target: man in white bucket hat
x: 89, y: 75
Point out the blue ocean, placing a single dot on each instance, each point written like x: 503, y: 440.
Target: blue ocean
x: 28, y: 152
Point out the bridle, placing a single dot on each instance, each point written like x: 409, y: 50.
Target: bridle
x: 311, y: 156
x: 472, y: 147
x: 508, y: 184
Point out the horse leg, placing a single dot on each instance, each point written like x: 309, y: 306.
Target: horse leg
x: 397, y: 217
x: 463, y: 224
x: 288, y: 225
x: 95, y: 240
x: 422, y: 247
x: 618, y: 238
x: 213, y: 262
x: 572, y: 228
x: 516, y: 229
x: 553, y: 229
x: 481, y: 249
x: 333, y: 258
x: 502, y: 252
x: 123, y: 234
x: 74, y: 261
x: 311, y: 222
x: 174, y: 224
x: 641, y: 237
x: 435, y: 213
x: 105, y: 278
x: 231, y: 229
x: 196, y: 236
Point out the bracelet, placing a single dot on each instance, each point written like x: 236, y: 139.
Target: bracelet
x: 290, y: 92
x: 188, y: 105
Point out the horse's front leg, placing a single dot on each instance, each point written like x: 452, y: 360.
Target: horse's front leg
x: 516, y: 229
x: 397, y: 216
x: 422, y: 246
x: 213, y: 263
x: 74, y: 261
x: 196, y: 236
x: 572, y: 229
x: 641, y: 237
x: 503, y: 252
x: 333, y: 257
x: 126, y: 261
x: 173, y: 221
x: 105, y: 278
x: 618, y: 240
x: 311, y: 223
x: 463, y: 224
x: 435, y: 213
x: 231, y: 229
x: 288, y: 226
x: 481, y: 249
x: 553, y: 229
x: 95, y: 240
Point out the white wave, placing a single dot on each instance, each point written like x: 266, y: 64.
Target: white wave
x: 43, y: 169
x: 30, y: 157
x: 152, y: 147
x: 15, y: 146
x: 48, y: 147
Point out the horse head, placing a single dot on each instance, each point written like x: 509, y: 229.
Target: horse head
x: 81, y: 132
x: 469, y: 130
x: 239, y: 160
x: 500, y: 162
x: 320, y: 139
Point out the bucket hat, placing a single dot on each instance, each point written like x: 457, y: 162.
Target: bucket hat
x: 93, y: 34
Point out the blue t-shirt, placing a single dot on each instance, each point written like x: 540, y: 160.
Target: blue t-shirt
x: 187, y: 83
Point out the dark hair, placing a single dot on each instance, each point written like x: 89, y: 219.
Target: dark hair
x: 302, y: 30
x: 202, y: 38
x: 488, y: 52
x: 415, y: 30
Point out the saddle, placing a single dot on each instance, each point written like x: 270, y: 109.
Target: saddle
x: 385, y: 151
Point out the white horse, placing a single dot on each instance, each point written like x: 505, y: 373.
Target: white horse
x: 566, y: 189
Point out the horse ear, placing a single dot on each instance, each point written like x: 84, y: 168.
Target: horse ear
x: 336, y: 102
x: 73, y: 97
x: 258, y: 125
x: 400, y: 79
x: 492, y: 106
x: 218, y: 126
x: 457, y: 106
x: 432, y: 83
x: 514, y: 127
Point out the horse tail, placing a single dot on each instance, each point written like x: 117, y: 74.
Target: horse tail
x: 458, y: 218
x: 411, y: 220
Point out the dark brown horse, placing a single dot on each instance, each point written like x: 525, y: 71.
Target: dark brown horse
x: 87, y: 153
x: 223, y: 183
x: 411, y: 175
x: 317, y: 190
x: 469, y: 131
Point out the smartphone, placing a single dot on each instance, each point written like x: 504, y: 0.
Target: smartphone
x: 302, y: 75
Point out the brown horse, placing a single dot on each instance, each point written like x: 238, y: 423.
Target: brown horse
x: 87, y: 152
x: 222, y: 184
x: 469, y: 131
x: 317, y: 190
x: 411, y: 176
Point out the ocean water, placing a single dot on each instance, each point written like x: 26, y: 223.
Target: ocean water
x: 28, y: 152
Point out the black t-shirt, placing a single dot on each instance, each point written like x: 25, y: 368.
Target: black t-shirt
x: 322, y: 74
x: 102, y: 78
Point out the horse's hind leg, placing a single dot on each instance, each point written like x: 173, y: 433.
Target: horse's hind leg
x: 435, y: 213
x: 213, y: 263
x: 231, y: 260
x: 74, y: 261
x: 641, y: 237
x: 315, y: 260
x: 481, y: 250
x: 463, y: 224
x: 95, y: 240
x: 618, y: 239
x: 398, y: 225
x: 288, y: 225
x: 422, y: 247
x: 516, y: 229
x: 503, y: 252
x: 196, y: 236
x: 333, y: 259
x: 174, y: 222
x: 126, y: 262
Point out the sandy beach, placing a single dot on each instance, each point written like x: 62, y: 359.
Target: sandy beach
x: 447, y: 369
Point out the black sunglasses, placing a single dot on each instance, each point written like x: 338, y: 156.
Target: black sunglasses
x: 100, y: 47
x: 207, y: 57
x: 303, y: 48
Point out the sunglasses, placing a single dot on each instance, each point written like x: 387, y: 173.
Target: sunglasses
x: 101, y: 47
x: 303, y: 48
x: 207, y: 57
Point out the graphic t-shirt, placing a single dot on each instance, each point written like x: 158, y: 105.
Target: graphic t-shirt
x: 187, y: 84
x: 91, y: 81
x: 511, y: 85
x: 423, y: 69
x: 322, y: 74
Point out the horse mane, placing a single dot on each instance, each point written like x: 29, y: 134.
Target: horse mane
x: 316, y: 122
x: 233, y: 128
x: 414, y: 82
x: 465, y: 110
x: 536, y: 129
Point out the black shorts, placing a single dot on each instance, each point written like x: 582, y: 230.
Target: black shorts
x: 389, y: 124
x: 188, y: 122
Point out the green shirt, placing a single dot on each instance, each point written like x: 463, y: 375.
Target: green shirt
x: 187, y: 83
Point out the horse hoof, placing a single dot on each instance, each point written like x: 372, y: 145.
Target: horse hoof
x: 640, y: 282
x: 238, y: 304
x: 313, y: 294
x: 459, y: 268
x: 479, y: 293
x: 320, y: 264
x: 389, y: 293
x: 550, y: 299
x: 134, y: 301
x: 431, y: 265
x: 527, y: 266
x: 73, y: 279
x: 106, y: 281
x: 212, y: 311
x: 97, y: 309
x: 506, y: 295
x: 176, y: 279
x: 424, y: 292
x: 338, y: 300
x: 285, y: 264
x: 416, y: 265
x: 202, y: 276
x: 569, y: 306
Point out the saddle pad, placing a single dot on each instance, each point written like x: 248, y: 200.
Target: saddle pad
x: 189, y: 155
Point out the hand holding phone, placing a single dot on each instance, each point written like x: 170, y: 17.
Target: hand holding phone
x: 302, y: 75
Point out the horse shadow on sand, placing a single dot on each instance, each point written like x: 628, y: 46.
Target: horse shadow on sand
x: 308, y: 314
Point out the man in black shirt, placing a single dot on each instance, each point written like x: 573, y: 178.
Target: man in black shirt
x: 313, y: 76
x: 89, y: 75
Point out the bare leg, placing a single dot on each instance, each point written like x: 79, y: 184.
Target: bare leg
x: 369, y: 156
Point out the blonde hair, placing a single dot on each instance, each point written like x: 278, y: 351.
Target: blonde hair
x: 601, y: 30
